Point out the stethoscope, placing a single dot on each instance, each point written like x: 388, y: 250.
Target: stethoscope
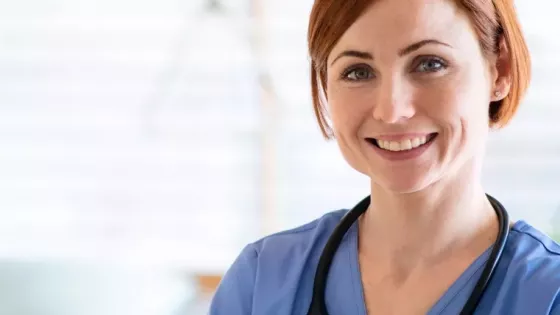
x: 318, y: 306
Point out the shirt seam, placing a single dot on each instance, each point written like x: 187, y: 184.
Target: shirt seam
x: 254, y: 271
x: 538, y: 241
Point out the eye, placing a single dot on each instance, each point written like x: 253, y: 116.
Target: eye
x: 431, y: 64
x: 358, y: 73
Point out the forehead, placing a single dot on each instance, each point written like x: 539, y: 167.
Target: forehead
x: 399, y: 22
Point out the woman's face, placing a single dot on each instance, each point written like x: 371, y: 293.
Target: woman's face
x: 408, y: 91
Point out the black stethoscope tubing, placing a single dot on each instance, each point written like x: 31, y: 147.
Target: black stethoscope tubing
x: 318, y: 305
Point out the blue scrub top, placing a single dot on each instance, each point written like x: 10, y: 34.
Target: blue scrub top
x: 275, y: 276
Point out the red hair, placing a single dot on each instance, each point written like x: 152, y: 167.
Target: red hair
x: 331, y: 18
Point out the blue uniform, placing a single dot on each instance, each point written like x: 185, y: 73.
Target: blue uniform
x: 275, y: 276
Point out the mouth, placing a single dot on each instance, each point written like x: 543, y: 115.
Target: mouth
x: 404, y: 144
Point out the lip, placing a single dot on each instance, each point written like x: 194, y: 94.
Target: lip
x: 403, y: 155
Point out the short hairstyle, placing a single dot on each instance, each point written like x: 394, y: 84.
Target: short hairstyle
x: 492, y: 20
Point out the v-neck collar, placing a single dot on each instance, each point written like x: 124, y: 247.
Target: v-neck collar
x: 466, y: 281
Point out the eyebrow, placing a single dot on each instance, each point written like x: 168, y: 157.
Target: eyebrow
x: 407, y: 50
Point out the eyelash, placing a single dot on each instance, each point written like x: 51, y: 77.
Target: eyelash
x: 427, y: 59
x: 353, y: 69
x: 423, y: 61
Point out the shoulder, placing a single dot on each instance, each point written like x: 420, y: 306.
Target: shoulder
x: 533, y: 253
x: 283, y: 254
x: 300, y: 239
x: 531, y: 279
x: 270, y: 262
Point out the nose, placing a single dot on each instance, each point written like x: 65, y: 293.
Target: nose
x: 393, y: 102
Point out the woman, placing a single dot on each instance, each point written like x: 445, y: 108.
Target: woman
x: 412, y: 88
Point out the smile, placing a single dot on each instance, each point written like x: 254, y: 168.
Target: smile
x: 404, y: 144
x: 402, y: 148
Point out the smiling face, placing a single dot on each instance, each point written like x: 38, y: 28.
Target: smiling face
x: 408, y: 92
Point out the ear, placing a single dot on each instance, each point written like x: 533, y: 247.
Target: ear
x: 501, y: 70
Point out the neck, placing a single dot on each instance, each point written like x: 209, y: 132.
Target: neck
x: 408, y: 231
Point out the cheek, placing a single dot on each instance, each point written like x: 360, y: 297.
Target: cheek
x: 460, y: 108
x: 348, y: 109
x: 451, y: 101
x: 472, y: 106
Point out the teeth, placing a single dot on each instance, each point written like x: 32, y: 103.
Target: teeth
x: 403, y: 145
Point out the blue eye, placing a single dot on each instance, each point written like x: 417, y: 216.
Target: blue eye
x: 360, y: 73
x: 431, y: 65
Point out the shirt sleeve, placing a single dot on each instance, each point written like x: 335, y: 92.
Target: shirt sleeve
x: 234, y: 295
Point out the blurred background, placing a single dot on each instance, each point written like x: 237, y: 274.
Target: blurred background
x: 144, y: 143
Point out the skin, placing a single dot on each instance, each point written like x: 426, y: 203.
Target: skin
x: 419, y: 70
